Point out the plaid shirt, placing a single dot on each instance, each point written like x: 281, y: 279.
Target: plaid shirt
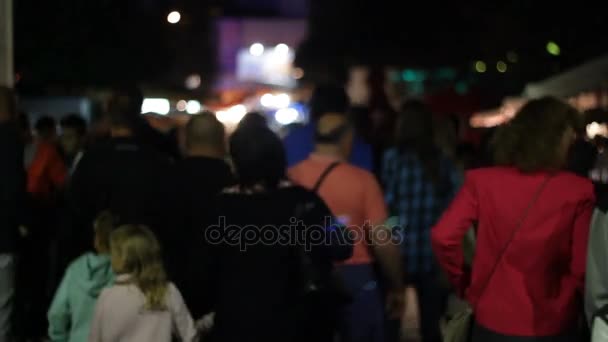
x: 418, y: 203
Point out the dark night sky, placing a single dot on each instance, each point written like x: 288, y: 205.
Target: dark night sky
x: 97, y: 42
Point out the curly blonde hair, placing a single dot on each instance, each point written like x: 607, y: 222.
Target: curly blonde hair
x: 138, y: 253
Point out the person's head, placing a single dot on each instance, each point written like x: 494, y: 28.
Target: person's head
x: 124, y: 107
x: 205, y: 136
x: 46, y: 128
x: 328, y: 99
x: 414, y: 128
x: 253, y: 119
x: 258, y: 157
x: 104, y: 225
x: 415, y: 133
x: 539, y: 137
x: 136, y: 251
x: 25, y: 127
x: 73, y: 133
x: 334, y: 135
x: 7, y: 104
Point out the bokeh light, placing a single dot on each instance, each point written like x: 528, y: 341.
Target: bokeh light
x: 553, y: 48
x: 480, y: 66
x: 256, y: 49
x: 174, y: 17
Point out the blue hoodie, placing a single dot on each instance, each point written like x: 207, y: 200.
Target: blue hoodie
x: 72, y: 309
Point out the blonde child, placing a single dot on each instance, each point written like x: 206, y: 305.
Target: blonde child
x: 142, y: 306
x: 72, y: 309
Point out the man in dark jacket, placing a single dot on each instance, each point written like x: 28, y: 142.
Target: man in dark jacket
x: 122, y: 174
x: 12, y: 194
x: 200, y: 176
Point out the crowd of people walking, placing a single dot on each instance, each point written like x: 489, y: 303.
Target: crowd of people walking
x: 123, y: 233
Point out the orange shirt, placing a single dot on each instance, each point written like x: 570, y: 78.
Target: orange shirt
x: 353, y: 195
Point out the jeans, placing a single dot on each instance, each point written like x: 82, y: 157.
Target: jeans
x: 363, y: 319
x: 7, y: 292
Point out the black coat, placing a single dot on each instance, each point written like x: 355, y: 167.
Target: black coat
x: 12, y: 186
x: 124, y: 176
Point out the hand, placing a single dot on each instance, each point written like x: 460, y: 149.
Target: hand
x: 206, y: 323
x: 410, y: 323
x: 395, y: 304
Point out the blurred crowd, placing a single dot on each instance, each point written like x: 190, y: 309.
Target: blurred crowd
x: 372, y: 222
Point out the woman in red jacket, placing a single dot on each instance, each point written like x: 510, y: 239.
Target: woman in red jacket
x: 532, y: 224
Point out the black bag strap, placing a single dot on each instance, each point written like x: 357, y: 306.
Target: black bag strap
x: 324, y: 175
x: 520, y: 224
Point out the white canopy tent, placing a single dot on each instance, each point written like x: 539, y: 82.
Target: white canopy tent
x: 590, y: 76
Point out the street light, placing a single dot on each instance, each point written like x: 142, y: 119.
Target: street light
x: 174, y: 17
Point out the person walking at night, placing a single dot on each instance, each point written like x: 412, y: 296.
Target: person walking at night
x: 72, y: 139
x: 12, y: 202
x: 142, y: 305
x: 254, y: 272
x: 419, y: 183
x: 532, y: 224
x: 200, y: 176
x: 72, y: 308
x: 299, y: 143
x: 121, y: 174
x: 354, y: 197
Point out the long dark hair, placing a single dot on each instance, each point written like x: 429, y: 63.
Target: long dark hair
x: 258, y: 156
x: 415, y: 134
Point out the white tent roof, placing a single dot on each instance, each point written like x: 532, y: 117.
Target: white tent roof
x: 588, y: 76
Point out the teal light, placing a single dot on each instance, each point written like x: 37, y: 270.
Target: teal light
x: 446, y: 73
x: 410, y: 76
x: 461, y: 88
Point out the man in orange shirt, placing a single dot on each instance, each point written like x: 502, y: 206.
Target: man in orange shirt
x: 355, y: 198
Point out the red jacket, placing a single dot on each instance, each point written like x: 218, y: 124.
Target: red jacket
x: 47, y: 172
x: 537, y: 286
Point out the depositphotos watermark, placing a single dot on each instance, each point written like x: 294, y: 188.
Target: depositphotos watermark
x: 297, y: 233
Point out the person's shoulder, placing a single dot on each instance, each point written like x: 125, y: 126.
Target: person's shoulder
x: 77, y: 264
x: 575, y: 183
x: 391, y: 153
x: 356, y: 171
x: 298, y: 168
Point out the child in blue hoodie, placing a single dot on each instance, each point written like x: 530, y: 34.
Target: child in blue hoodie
x: 72, y: 309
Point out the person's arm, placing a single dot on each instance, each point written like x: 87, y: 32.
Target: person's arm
x: 59, y: 313
x: 448, y: 234
x: 596, y: 282
x: 580, y: 240
x: 183, y: 325
x: 384, y: 247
